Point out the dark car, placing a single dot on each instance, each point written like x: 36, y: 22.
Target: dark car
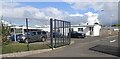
x: 33, y: 36
x: 57, y: 35
x: 75, y: 34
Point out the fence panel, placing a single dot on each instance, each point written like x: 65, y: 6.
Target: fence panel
x: 59, y: 31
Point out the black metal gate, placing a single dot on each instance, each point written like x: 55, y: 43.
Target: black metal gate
x: 59, y: 33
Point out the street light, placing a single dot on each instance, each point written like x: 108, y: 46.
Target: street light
x: 101, y: 14
x: 101, y: 17
x: 111, y: 25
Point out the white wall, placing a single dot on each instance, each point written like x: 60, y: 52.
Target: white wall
x: 96, y: 30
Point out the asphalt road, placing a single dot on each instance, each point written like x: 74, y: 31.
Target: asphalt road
x: 81, y: 48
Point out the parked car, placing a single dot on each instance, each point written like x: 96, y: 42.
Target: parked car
x: 57, y: 35
x: 75, y: 34
x: 33, y: 36
x: 11, y: 37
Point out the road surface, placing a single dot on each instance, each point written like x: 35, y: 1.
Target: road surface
x: 81, y: 48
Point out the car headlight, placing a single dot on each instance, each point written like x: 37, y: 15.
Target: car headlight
x: 23, y: 37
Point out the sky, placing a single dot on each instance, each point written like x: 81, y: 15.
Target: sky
x: 77, y: 12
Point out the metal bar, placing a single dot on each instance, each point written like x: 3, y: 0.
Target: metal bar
x: 27, y: 33
x: 51, y: 32
x: 69, y: 32
x: 63, y: 32
x: 58, y: 32
x: 55, y: 30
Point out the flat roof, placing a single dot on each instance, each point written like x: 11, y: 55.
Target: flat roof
x: 17, y: 27
x: 82, y: 25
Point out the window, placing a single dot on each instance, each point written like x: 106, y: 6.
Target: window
x: 34, y: 33
x: 44, y: 32
x: 39, y: 33
x: 80, y: 29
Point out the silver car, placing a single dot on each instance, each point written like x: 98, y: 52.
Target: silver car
x: 33, y: 36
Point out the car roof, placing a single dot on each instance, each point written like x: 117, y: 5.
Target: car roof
x: 36, y: 31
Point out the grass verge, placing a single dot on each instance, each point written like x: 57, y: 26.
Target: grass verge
x: 19, y: 47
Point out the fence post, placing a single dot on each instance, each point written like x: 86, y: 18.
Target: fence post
x: 51, y: 32
x: 69, y: 32
x: 27, y: 33
x: 15, y: 35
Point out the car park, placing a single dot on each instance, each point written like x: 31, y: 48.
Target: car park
x: 75, y: 34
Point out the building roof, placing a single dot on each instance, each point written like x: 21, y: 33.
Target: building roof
x: 18, y: 27
x: 82, y: 25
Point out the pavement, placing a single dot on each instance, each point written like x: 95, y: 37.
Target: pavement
x: 81, y: 48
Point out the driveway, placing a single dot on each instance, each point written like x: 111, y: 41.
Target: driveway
x: 81, y: 48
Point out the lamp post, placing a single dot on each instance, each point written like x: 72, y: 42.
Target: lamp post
x: 101, y: 18
x: 101, y: 12
x: 111, y: 24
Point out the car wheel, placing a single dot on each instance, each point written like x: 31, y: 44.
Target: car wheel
x: 26, y: 41
x: 43, y: 39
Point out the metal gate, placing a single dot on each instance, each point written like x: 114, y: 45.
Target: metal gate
x: 59, y: 33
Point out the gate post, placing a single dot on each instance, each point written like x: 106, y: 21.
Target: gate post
x: 51, y: 32
x: 69, y: 32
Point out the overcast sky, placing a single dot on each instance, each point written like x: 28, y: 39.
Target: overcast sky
x: 39, y: 12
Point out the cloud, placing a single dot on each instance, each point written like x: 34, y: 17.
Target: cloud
x: 109, y: 7
x: 16, y: 10
x: 92, y: 18
x: 62, y: 0
x: 31, y: 12
x: 77, y: 14
x: 90, y: 1
x: 19, y: 12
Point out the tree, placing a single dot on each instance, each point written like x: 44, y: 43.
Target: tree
x: 115, y: 25
x: 5, y: 33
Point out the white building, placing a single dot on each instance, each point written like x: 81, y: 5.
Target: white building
x: 89, y: 30
x: 22, y: 29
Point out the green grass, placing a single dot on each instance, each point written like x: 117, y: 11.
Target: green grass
x: 18, y: 47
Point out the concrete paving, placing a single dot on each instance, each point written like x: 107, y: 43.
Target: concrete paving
x: 81, y: 48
